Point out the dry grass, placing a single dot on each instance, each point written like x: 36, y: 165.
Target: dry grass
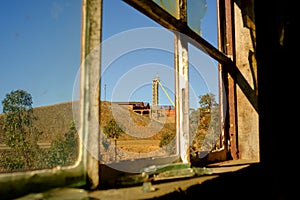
x: 139, y: 146
x: 134, y: 125
x: 55, y: 120
x: 51, y: 121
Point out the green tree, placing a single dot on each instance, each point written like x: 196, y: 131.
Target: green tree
x: 19, y: 132
x: 64, y: 148
x: 207, y: 101
x: 207, y: 107
x: 168, y: 142
x: 113, y: 131
x: 205, y: 123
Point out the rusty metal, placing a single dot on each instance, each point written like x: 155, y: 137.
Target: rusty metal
x: 222, y: 92
x: 183, y: 11
x: 226, y: 44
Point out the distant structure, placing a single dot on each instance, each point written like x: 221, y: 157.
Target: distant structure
x: 154, y: 109
x: 137, y: 107
x: 158, y: 110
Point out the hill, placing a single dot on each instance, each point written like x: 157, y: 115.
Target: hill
x: 135, y: 125
x: 55, y: 120
x: 51, y: 120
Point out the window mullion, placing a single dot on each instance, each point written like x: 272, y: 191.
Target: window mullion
x: 90, y: 94
x: 182, y: 88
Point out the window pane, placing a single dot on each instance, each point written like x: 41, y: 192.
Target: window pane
x: 202, y: 18
x: 137, y: 90
x: 171, y: 6
x: 40, y: 58
x: 204, y: 103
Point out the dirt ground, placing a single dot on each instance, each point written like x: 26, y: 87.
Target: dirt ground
x: 139, y: 146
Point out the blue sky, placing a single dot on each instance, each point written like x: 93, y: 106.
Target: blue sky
x: 128, y: 76
x: 40, y: 48
x: 40, y: 51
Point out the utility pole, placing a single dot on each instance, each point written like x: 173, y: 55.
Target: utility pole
x: 104, y: 92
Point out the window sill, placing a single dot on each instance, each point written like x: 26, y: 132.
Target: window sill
x: 233, y: 178
x: 162, y: 189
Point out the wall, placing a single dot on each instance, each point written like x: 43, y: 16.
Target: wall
x: 247, y: 113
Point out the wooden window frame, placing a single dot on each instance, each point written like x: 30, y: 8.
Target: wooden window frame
x: 85, y: 171
x: 223, y: 56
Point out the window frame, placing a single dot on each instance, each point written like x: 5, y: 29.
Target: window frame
x: 226, y: 64
x: 84, y: 172
x: 230, y: 74
x: 179, y: 26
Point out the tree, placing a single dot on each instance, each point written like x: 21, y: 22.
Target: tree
x: 205, y: 123
x: 19, y: 132
x: 168, y: 142
x: 207, y: 101
x: 113, y: 131
x: 64, y: 149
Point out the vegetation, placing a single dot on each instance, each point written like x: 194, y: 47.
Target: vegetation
x: 50, y: 125
x: 205, y: 124
x: 113, y: 131
x: 168, y: 141
x: 64, y: 149
x: 19, y: 132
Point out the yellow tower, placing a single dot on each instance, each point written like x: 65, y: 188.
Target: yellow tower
x: 154, y: 108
